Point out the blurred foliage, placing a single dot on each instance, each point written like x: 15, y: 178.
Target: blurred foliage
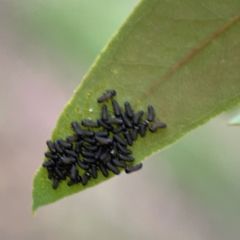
x: 76, y: 29
x: 235, y: 120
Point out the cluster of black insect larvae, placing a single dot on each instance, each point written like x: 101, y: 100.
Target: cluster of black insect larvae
x: 99, y: 146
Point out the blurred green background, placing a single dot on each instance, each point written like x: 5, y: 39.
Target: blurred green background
x: 189, y: 191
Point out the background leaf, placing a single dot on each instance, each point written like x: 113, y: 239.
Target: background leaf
x: 157, y: 37
x: 235, y: 120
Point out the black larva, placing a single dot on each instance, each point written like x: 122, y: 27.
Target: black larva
x: 124, y: 150
x: 119, y: 129
x: 87, y: 123
x: 151, y: 113
x: 114, y: 121
x: 94, y: 171
x: 137, y: 117
x: 135, y: 133
x: 133, y: 168
x: 112, y: 168
x: 116, y: 108
x: 128, y: 109
x: 125, y: 158
x: 126, y: 121
x: 73, y: 139
x: 103, y: 170
x: 104, y: 149
x: 157, y: 125
x: 71, y: 153
x: 143, y: 128
x: 104, y: 141
x: 104, y: 113
x: 51, y: 146
x: 50, y: 155
x: 119, y: 163
x: 128, y: 138
x: 120, y: 140
x: 82, y: 165
x: 65, y: 144
x: 109, y: 94
x: 104, y: 125
x: 91, y: 148
x: 57, y: 147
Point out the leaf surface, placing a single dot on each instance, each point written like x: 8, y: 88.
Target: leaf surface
x: 182, y: 57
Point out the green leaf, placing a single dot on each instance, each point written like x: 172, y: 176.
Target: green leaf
x: 235, y: 121
x: 182, y: 57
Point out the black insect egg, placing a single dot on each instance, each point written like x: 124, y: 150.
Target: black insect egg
x: 99, y: 147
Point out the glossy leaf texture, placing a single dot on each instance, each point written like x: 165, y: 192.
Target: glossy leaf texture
x: 235, y: 121
x: 182, y: 57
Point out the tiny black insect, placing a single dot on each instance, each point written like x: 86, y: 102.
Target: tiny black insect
x: 88, y: 123
x: 114, y: 149
x: 128, y: 109
x: 109, y: 94
x: 67, y: 160
x: 151, y: 114
x: 126, y: 121
x: 104, y: 156
x: 133, y: 168
x: 118, y: 163
x: 112, y: 168
x: 143, y: 128
x: 103, y: 170
x: 77, y: 128
x: 51, y: 146
x: 50, y: 155
x: 89, y: 160
x: 104, y: 113
x: 91, y: 148
x: 86, y: 177
x: 157, y: 125
x: 104, y: 141
x: 73, y: 172
x: 114, y: 121
x: 128, y: 138
x: 57, y: 147
x: 64, y: 167
x: 135, y: 133
x: 71, y: 153
x: 124, y: 150
x: 94, y: 171
x: 98, y: 153
x: 64, y: 144
x: 125, y: 158
x: 50, y: 174
x: 55, y: 183
x: 59, y: 173
x: 105, y: 125
x: 87, y: 133
x: 82, y: 165
x: 116, y: 108
x: 80, y: 131
x: 84, y: 180
x: 79, y: 146
x: 73, y: 139
x: 48, y: 164
x: 88, y: 154
x: 102, y: 134
x: 120, y: 140
x: 89, y: 140
x: 119, y: 129
x: 137, y: 117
